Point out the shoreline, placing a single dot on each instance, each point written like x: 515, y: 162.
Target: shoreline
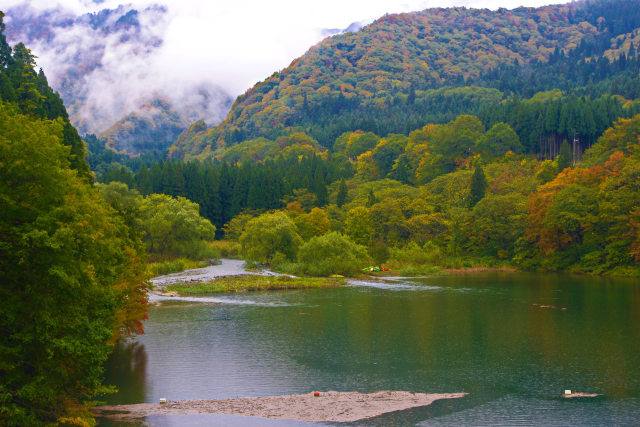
x: 329, y: 406
x: 228, y: 277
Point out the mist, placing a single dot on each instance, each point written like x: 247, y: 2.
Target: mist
x: 108, y: 60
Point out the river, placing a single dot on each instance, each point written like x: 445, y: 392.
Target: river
x: 514, y: 342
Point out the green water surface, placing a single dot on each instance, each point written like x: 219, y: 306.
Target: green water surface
x: 514, y: 342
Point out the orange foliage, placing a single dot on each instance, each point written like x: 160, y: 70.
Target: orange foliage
x: 550, y: 239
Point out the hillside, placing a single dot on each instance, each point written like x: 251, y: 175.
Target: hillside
x: 405, y: 70
x: 86, y: 56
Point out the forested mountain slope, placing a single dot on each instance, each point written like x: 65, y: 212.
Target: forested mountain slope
x: 87, y: 55
x: 405, y: 70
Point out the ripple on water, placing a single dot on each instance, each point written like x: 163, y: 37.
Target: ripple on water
x: 528, y: 411
x: 402, y: 286
x: 218, y: 300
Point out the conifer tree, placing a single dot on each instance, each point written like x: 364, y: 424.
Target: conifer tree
x: 319, y: 187
x: 143, y: 180
x: 478, y: 186
x: 564, y: 158
x: 341, y: 199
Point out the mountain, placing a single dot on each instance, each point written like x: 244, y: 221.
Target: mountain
x: 87, y: 56
x: 405, y: 70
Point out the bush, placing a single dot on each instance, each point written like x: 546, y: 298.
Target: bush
x: 268, y: 234
x: 332, y: 253
x: 414, y: 255
x: 226, y: 248
x: 175, y: 265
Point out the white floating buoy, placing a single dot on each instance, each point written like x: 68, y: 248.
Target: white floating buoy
x: 567, y: 392
x: 163, y: 400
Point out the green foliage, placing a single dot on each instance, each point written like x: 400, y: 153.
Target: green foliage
x: 360, y: 142
x: 332, y: 253
x: 431, y: 66
x: 268, y: 234
x: 174, y: 265
x: 498, y: 140
x: 341, y: 198
x: 234, y: 228
x: 359, y: 226
x: 29, y: 91
x: 416, y: 256
x: 478, y: 186
x: 624, y: 136
x: 315, y: 223
x: 564, y: 159
x: 547, y: 171
x: 253, y: 283
x: 174, y: 225
x: 71, y: 273
x: 496, y: 224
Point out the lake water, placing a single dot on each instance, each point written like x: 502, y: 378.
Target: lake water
x: 514, y: 342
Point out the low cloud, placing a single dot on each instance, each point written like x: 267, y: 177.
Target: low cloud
x: 107, y: 59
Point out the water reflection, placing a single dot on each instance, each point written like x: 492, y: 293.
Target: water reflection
x: 127, y: 368
x: 515, y: 339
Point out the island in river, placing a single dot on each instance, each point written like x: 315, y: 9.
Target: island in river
x: 330, y: 406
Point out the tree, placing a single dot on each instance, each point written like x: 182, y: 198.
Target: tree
x: 341, y: 198
x: 315, y: 223
x: 269, y: 234
x: 71, y: 274
x: 360, y: 142
x: 564, y: 158
x: 478, y: 186
x: 234, y: 228
x: 332, y: 253
x: 319, y: 187
x: 496, y: 223
x: 371, y: 198
x: 498, y: 140
x: 174, y: 225
x: 5, y: 49
x: 359, y: 226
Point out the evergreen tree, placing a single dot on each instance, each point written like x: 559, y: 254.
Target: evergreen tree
x: 319, y: 187
x: 5, y: 49
x: 212, y: 206
x: 341, y: 199
x: 564, y: 158
x: 143, y: 180
x: 478, y: 186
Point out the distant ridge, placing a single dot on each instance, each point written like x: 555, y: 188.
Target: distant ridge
x: 385, y: 77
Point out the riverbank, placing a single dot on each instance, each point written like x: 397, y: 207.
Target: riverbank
x: 329, y: 406
x: 251, y: 283
x: 225, y: 268
x: 231, y: 276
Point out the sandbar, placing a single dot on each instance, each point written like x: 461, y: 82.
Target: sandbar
x: 328, y: 406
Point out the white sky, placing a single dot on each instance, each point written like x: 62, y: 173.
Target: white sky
x: 244, y: 41
x: 231, y: 44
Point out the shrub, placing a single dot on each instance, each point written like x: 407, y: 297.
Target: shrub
x: 332, y: 253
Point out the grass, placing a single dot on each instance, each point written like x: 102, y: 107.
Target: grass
x: 226, y: 248
x: 251, y: 283
x: 174, y: 265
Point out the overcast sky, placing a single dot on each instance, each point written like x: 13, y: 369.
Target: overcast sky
x: 244, y: 41
x: 231, y: 44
